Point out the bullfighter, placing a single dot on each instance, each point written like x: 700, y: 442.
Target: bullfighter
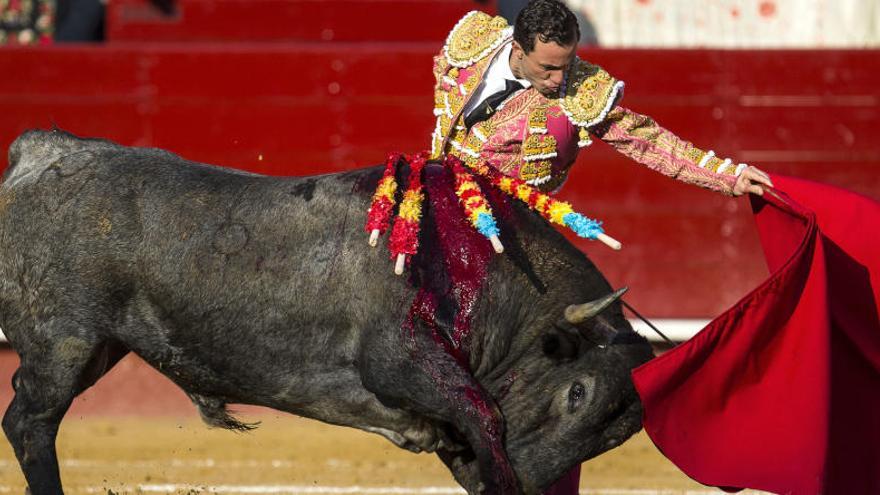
x: 519, y: 99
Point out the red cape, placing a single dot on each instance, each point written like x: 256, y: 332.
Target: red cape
x: 782, y: 391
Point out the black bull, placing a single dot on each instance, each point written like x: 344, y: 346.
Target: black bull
x: 243, y: 288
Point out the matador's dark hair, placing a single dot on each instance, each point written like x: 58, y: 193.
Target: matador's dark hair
x: 549, y: 19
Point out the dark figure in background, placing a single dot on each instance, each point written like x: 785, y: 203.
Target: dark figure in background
x: 80, y: 20
x: 45, y: 21
x: 83, y: 20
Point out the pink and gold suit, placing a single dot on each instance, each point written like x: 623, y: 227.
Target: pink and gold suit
x: 537, y: 138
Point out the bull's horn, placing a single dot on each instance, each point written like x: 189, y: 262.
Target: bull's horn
x: 577, y: 313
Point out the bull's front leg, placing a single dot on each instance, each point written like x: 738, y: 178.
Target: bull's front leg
x: 428, y: 380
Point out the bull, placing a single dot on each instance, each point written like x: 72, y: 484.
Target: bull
x: 243, y: 288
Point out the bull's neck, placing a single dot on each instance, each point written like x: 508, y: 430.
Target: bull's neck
x: 525, y: 295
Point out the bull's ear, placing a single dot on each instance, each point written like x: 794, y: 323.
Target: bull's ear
x: 598, y: 332
x: 595, y: 332
x: 560, y: 343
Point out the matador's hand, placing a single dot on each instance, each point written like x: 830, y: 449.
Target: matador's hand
x: 749, y: 181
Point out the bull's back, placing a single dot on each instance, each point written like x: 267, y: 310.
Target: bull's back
x: 61, y: 235
x: 64, y: 189
x: 239, y: 287
x: 237, y: 252
x: 267, y: 254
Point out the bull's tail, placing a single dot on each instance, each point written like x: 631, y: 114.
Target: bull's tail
x: 214, y: 413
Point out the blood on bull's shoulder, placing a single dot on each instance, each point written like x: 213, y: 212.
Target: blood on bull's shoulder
x: 243, y: 288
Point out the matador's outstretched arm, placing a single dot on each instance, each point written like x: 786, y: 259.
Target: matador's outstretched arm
x: 642, y: 139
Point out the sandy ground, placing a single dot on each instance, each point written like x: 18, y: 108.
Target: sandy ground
x: 135, y: 432
x: 120, y: 454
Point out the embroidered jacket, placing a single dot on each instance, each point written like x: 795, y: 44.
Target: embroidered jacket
x: 536, y: 138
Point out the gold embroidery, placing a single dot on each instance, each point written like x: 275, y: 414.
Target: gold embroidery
x: 695, y: 154
x: 440, y: 67
x: 544, y: 169
x: 535, y: 171
x: 714, y: 164
x: 538, y: 119
x: 473, y: 145
x: 474, y: 37
x: 483, y: 130
x: 456, y: 101
x: 539, y: 146
x: 584, y: 134
x: 528, y: 171
x: 437, y: 139
x: 473, y: 81
x: 584, y: 138
x: 589, y: 93
x: 439, y: 103
x: 472, y: 161
x: 445, y: 123
x: 447, y: 104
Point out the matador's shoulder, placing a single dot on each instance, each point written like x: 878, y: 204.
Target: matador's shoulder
x: 474, y: 37
x: 590, y: 93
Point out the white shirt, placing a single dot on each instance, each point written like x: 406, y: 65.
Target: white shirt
x: 494, y: 79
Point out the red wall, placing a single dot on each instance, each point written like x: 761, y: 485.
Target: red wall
x: 286, y: 20
x: 292, y: 108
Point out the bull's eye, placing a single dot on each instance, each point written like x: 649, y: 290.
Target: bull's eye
x: 576, y: 394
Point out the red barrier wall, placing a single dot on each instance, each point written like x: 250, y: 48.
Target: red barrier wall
x: 301, y: 108
x: 285, y: 20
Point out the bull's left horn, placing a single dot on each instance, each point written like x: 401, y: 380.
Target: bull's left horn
x: 577, y: 313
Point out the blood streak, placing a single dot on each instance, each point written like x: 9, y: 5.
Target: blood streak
x: 464, y: 256
x: 450, y: 271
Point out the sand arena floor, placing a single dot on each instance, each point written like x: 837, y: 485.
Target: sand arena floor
x: 135, y: 432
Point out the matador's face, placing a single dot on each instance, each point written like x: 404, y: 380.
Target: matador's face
x: 545, y: 66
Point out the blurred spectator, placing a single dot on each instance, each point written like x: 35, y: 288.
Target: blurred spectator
x: 83, y: 20
x: 29, y: 22
x: 509, y: 9
x: 26, y: 22
x: 80, y: 20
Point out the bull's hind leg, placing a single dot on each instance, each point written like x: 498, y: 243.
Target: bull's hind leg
x: 52, y: 372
